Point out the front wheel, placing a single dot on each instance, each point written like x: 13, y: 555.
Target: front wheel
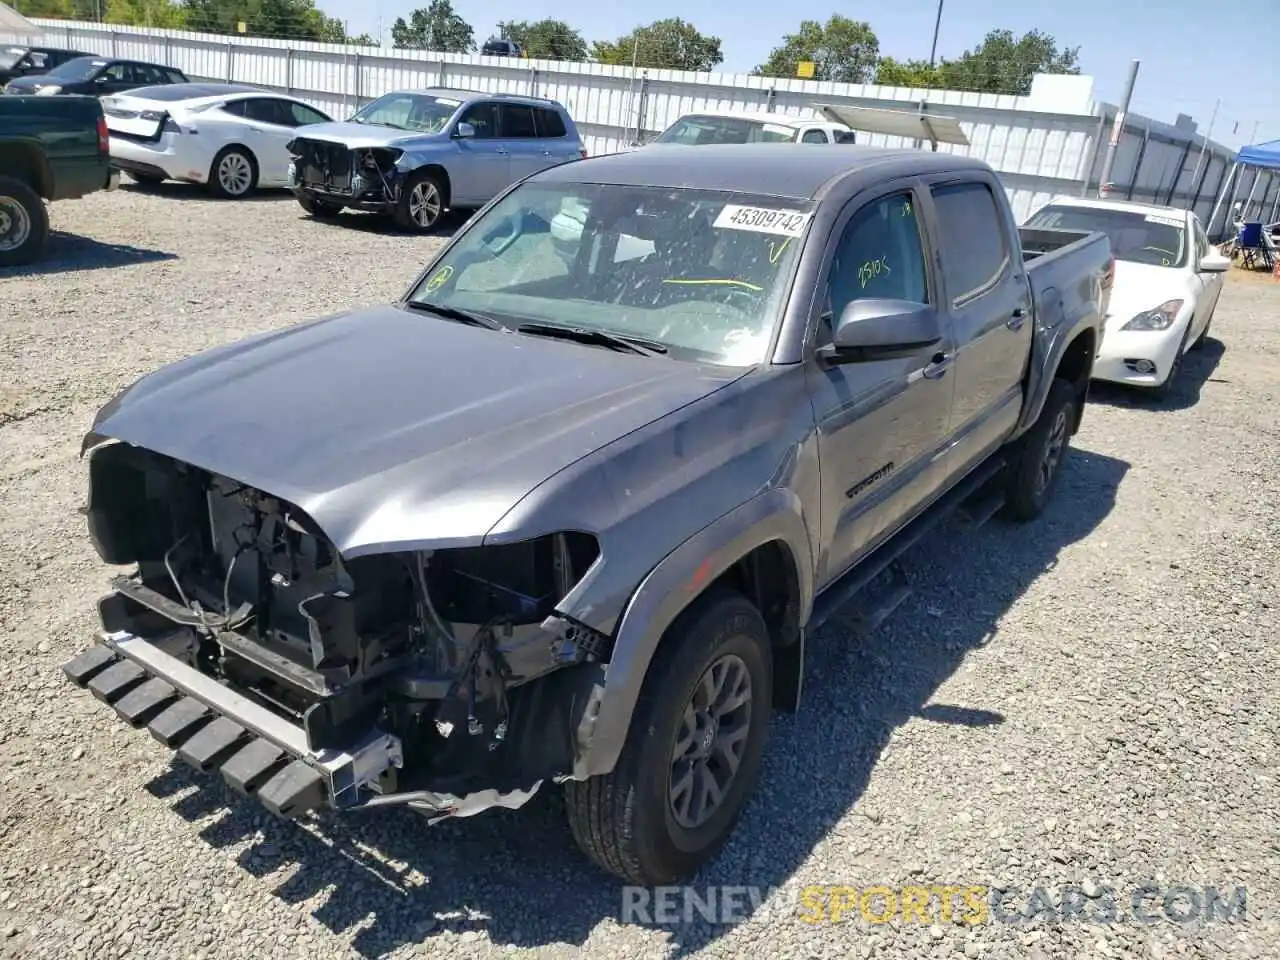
x: 421, y: 203
x: 692, y: 755
x: 24, y: 223
x: 1037, y: 462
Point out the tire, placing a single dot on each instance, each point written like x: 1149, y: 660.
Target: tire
x: 1165, y: 390
x: 1204, y: 334
x: 233, y: 174
x: 415, y: 209
x: 146, y: 179
x: 24, y: 223
x: 1037, y: 464
x: 626, y: 821
x: 318, y: 208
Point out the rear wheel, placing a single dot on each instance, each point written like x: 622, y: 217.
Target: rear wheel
x: 421, y: 203
x: 692, y: 755
x: 24, y: 223
x: 1037, y: 463
x: 233, y: 174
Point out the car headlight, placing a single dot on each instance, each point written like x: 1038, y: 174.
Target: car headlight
x: 48, y: 91
x: 1160, y: 318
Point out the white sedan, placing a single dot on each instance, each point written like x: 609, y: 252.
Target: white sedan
x: 229, y: 137
x: 1167, y: 282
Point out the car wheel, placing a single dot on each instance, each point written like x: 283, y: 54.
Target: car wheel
x: 1204, y: 334
x: 1037, y: 463
x: 24, y: 223
x: 233, y: 174
x: 318, y: 208
x: 421, y: 203
x: 692, y: 755
x: 1165, y: 390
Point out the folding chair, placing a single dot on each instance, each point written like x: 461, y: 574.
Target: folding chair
x: 1251, y: 246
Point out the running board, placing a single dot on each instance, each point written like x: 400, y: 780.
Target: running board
x: 217, y: 730
x: 886, y: 556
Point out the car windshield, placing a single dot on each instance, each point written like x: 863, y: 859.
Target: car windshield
x: 1155, y: 239
x: 699, y: 130
x: 81, y: 68
x: 418, y: 112
x: 9, y: 57
x: 703, y: 273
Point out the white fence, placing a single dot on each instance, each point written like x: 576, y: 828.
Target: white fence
x: 1050, y: 142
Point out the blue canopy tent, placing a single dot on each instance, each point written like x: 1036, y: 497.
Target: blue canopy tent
x: 1261, y: 156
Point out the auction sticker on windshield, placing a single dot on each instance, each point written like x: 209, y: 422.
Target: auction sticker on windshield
x: 1166, y: 221
x: 785, y: 223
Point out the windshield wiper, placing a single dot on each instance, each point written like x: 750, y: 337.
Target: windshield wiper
x: 453, y: 313
x: 638, y: 345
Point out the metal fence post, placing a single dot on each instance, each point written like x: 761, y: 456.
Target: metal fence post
x: 1177, y: 177
x: 1097, y: 151
x: 115, y: 44
x: 642, y: 104
x: 444, y: 75
x: 357, y: 81
x: 771, y: 104
x: 1137, y: 164
x: 231, y: 47
x: 533, y: 81
x: 288, y: 69
x: 1117, y: 132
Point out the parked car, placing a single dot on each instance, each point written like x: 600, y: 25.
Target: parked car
x: 535, y: 524
x: 95, y: 76
x: 20, y: 61
x: 414, y: 154
x: 497, y: 47
x: 1167, y: 282
x: 50, y: 150
x: 230, y: 137
x: 744, y: 127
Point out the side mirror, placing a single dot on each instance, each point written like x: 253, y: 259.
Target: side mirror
x: 1215, y: 263
x: 101, y: 79
x: 464, y: 131
x: 882, y: 330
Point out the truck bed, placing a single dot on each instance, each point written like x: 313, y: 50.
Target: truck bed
x: 1069, y: 272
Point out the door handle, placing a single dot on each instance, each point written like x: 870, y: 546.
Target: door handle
x: 546, y: 153
x: 1016, y: 319
x: 938, y: 366
x: 501, y: 150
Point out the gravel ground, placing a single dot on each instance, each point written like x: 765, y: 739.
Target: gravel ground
x: 1089, y: 700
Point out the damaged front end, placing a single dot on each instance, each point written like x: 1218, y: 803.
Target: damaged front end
x: 444, y: 680
x: 365, y: 178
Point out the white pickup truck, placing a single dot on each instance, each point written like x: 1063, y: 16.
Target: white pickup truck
x: 733, y: 126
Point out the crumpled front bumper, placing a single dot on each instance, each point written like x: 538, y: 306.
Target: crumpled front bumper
x: 214, y: 728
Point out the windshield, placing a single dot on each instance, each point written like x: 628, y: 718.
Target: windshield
x: 10, y: 57
x: 697, y: 130
x: 703, y: 273
x: 1158, y: 240
x: 408, y: 111
x: 81, y: 68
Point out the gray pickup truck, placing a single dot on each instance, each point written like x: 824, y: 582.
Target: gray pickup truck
x: 573, y: 519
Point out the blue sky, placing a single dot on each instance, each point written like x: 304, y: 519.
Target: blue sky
x: 1192, y: 52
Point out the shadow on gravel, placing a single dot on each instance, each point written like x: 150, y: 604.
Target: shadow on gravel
x: 1198, y: 367
x: 363, y: 222
x: 195, y: 191
x: 389, y: 880
x: 69, y: 253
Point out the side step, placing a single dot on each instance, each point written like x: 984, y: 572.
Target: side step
x: 217, y: 730
x: 887, y: 555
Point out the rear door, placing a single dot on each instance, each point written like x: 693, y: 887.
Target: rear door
x: 271, y: 124
x: 553, y: 136
x: 986, y: 292
x: 519, y: 134
x: 114, y: 77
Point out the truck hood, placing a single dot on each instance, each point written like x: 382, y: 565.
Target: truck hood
x: 363, y: 134
x: 395, y: 429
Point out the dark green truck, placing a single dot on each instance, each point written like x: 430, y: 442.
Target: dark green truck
x: 51, y: 148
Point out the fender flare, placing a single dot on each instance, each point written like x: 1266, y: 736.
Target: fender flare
x: 1045, y: 368
x: 667, y: 590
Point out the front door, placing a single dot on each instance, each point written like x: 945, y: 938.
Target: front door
x: 484, y: 166
x: 1210, y: 283
x: 986, y: 291
x: 272, y: 126
x: 882, y: 423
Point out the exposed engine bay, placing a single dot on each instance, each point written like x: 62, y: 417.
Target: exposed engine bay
x: 458, y: 654
x: 364, y: 175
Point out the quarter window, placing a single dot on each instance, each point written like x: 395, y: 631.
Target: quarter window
x: 814, y: 136
x: 550, y: 123
x: 975, y: 250
x: 517, y: 122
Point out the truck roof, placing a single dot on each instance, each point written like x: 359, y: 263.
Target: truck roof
x: 789, y: 170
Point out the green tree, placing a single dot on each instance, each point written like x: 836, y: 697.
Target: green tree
x: 281, y: 19
x: 146, y: 13
x: 670, y: 44
x: 434, y: 27
x: 842, y: 50
x: 546, y: 39
x: 905, y: 73
x: 1003, y: 63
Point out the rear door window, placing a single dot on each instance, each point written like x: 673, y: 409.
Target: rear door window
x: 975, y: 249
x: 814, y: 136
x: 516, y: 122
x: 550, y: 123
